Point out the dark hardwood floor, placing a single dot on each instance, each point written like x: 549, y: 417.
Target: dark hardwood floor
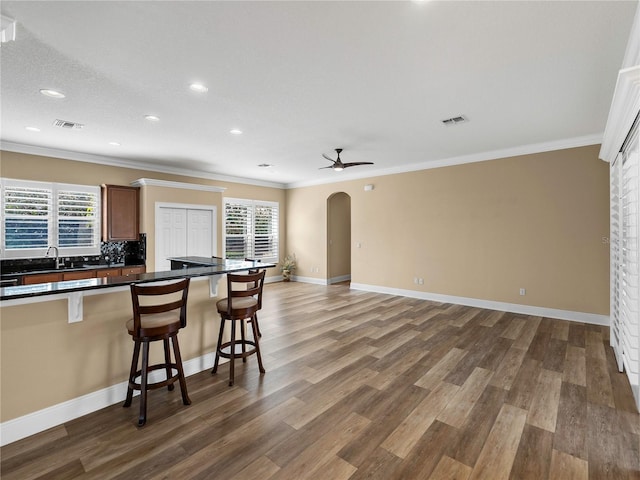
x: 362, y: 385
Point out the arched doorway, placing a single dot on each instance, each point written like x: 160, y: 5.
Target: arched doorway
x: 338, y: 238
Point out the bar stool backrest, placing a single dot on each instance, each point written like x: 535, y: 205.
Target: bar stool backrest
x: 251, y: 284
x: 139, y: 290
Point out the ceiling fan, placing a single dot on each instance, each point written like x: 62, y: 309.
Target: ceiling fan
x: 338, y: 165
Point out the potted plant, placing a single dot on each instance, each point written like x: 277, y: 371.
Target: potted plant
x: 288, y: 267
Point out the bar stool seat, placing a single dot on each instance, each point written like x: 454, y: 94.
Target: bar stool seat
x: 243, y: 301
x: 151, y: 323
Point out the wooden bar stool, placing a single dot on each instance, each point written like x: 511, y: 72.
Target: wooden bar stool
x: 151, y: 323
x: 244, y: 299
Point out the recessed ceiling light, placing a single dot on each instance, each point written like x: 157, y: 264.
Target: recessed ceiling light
x: 115, y: 144
x: 198, y: 87
x: 152, y: 118
x: 235, y: 131
x: 52, y: 93
x: 32, y: 129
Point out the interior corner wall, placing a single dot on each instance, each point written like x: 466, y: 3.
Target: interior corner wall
x: 482, y: 230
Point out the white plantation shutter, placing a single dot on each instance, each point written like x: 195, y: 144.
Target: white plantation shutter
x: 625, y: 258
x: 27, y: 210
x: 78, y: 225
x: 265, y: 221
x: 36, y: 215
x: 615, y: 239
x: 251, y: 229
x: 629, y: 297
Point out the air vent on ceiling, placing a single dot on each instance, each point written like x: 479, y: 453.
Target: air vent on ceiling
x: 68, y: 125
x: 455, y: 120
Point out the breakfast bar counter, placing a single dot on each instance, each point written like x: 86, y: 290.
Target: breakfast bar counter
x: 215, y: 266
x: 65, y: 350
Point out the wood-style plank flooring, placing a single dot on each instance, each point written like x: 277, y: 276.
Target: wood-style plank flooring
x: 362, y: 385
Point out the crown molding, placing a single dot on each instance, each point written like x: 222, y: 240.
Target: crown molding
x: 476, y: 157
x: 574, y: 142
x: 152, y: 182
x: 125, y: 163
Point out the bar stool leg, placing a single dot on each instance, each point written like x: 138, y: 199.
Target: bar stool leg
x: 167, y: 361
x: 255, y: 319
x: 142, y: 419
x: 183, y: 383
x: 254, y: 327
x: 232, y: 359
x: 243, y: 326
x: 215, y: 362
x: 132, y: 373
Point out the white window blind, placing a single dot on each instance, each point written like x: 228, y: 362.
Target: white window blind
x: 629, y: 300
x: 615, y: 230
x: 78, y: 225
x: 251, y: 229
x: 36, y: 215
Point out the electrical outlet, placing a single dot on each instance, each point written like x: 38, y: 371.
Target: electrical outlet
x: 421, y: 281
x: 523, y: 291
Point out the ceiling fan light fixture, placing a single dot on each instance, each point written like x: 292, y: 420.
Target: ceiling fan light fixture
x: 338, y: 168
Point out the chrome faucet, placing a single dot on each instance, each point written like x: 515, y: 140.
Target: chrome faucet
x: 58, y: 265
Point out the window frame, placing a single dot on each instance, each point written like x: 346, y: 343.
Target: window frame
x: 250, y: 235
x: 53, y: 219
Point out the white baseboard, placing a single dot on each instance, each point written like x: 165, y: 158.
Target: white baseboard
x: 315, y: 281
x: 490, y: 304
x: 341, y: 278
x: 32, y: 423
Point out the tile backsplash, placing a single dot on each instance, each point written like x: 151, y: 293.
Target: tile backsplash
x: 125, y: 253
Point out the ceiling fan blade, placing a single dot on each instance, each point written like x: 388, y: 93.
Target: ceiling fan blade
x: 353, y: 164
x: 321, y: 168
x: 328, y: 158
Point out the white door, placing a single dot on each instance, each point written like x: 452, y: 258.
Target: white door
x: 200, y: 236
x: 183, y: 231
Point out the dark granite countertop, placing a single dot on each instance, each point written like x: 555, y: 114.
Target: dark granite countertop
x: 221, y: 266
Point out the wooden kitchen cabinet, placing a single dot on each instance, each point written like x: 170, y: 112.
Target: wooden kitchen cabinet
x: 79, y: 275
x: 120, y: 217
x: 133, y: 270
x: 108, y: 272
x: 41, y: 278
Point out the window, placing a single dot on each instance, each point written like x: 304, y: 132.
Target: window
x: 251, y: 229
x: 36, y: 215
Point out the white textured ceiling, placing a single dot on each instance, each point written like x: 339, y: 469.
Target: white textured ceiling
x: 302, y: 78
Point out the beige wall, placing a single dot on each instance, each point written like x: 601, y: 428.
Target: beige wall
x: 481, y: 230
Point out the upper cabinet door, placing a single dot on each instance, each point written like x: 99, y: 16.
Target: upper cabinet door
x: 119, y: 213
